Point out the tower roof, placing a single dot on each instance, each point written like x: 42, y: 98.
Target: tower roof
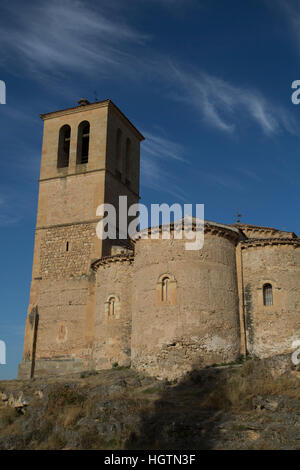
x: 85, y: 105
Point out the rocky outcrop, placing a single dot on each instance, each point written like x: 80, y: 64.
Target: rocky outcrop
x: 246, y: 406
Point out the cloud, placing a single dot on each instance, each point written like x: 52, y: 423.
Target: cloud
x: 158, y: 154
x: 162, y: 147
x: 65, y: 35
x: 250, y: 174
x: 222, y: 179
x: 291, y: 10
x: 224, y: 105
x: 14, y: 206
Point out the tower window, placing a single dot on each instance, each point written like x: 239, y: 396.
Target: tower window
x: 64, y: 146
x: 83, y: 142
x: 119, y: 154
x: 268, y: 294
x: 67, y: 246
x: 127, y: 160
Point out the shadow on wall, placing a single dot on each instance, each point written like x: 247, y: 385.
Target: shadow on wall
x: 185, y: 415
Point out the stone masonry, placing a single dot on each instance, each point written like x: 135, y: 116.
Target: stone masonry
x: 146, y: 303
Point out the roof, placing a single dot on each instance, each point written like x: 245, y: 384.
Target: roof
x: 241, y: 225
x: 90, y: 106
x: 189, y: 221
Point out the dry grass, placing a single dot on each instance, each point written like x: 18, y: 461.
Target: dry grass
x: 70, y: 416
x: 7, y: 416
x: 56, y: 419
x: 63, y: 396
x: 246, y: 383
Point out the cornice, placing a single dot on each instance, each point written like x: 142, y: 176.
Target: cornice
x: 74, y: 110
x: 256, y: 242
x: 88, y: 107
x: 209, y: 227
x: 107, y: 260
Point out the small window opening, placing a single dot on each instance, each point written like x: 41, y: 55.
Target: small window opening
x: 127, y: 161
x: 83, y: 143
x: 64, y: 147
x: 268, y: 294
x: 67, y: 246
x: 119, y: 154
x: 112, y: 302
x: 165, y: 290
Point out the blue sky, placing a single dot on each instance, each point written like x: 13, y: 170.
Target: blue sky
x: 207, y: 82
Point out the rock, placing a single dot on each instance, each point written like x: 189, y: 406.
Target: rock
x: 295, y: 373
x: 18, y: 403
x: 3, y: 396
x: 271, y: 405
x: 253, y: 435
x: 261, y: 403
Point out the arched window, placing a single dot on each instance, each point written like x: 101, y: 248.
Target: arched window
x: 165, y: 289
x: 268, y: 294
x: 119, y: 154
x: 112, y: 303
x: 64, y: 146
x: 83, y: 142
x: 127, y: 160
x: 112, y: 307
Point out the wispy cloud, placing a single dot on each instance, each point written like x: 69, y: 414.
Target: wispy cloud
x: 224, y: 105
x: 65, y: 35
x: 291, y: 10
x: 13, y: 206
x: 162, y: 147
x: 250, y: 174
x: 223, y: 180
x: 159, y: 153
x: 173, y: 3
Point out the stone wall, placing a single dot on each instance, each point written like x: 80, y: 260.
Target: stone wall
x: 201, y: 327
x: 271, y: 329
x: 66, y: 251
x: 66, y: 244
x: 62, y: 318
x: 112, y: 331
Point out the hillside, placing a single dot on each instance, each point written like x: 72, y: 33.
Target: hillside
x: 250, y: 406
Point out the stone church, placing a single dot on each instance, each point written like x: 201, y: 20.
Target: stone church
x: 148, y: 303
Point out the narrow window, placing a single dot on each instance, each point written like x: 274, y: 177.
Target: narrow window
x: 83, y: 142
x: 112, y: 301
x: 119, y: 154
x: 64, y: 146
x: 127, y: 160
x: 67, y: 246
x: 268, y: 294
x: 165, y: 289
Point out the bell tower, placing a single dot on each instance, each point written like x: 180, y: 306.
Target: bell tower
x: 90, y: 156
